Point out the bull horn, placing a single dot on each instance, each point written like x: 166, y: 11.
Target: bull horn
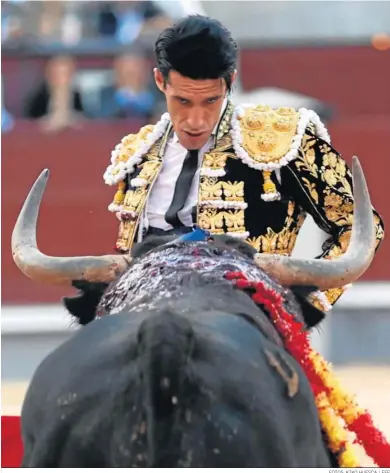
x: 328, y: 274
x: 56, y: 270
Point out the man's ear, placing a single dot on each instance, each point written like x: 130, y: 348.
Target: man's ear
x: 234, y: 76
x: 159, y: 79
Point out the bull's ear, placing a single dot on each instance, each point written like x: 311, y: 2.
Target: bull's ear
x: 83, y: 305
x: 150, y: 243
x: 236, y: 243
x: 311, y: 315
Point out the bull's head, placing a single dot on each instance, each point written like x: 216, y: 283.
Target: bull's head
x: 324, y: 274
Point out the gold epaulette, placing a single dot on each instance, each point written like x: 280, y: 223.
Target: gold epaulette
x: 271, y: 138
x: 268, y: 135
x: 127, y: 154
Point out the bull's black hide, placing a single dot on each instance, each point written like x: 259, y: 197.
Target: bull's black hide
x: 183, y: 382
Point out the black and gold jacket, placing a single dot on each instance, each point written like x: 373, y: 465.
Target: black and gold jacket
x: 267, y: 170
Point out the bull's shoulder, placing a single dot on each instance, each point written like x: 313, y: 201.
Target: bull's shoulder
x: 268, y: 138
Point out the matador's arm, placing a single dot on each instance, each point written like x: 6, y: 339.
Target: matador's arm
x: 322, y: 183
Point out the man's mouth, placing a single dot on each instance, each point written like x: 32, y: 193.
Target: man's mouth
x: 194, y: 135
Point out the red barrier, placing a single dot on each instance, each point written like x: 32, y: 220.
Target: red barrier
x: 11, y: 442
x: 355, y: 79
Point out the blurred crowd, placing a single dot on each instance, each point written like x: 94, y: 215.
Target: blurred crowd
x: 65, y: 94
x: 69, y: 22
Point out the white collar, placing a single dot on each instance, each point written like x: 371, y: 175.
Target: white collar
x: 175, y: 139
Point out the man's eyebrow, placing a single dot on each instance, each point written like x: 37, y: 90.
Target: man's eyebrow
x: 181, y: 98
x: 214, y: 97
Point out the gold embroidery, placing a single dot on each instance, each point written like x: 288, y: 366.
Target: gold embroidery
x: 311, y: 187
x: 134, y: 198
x: 334, y: 171
x: 235, y: 221
x: 290, y: 208
x: 215, y: 160
x: 338, y: 199
x: 380, y: 233
x: 233, y: 191
x: 224, y: 124
x: 286, y: 111
x: 338, y: 209
x: 126, y: 234
x: 282, y: 242
x: 255, y: 120
x: 212, y: 220
x: 210, y: 188
x: 149, y: 169
x: 267, y: 134
x: 339, y: 248
x: 344, y: 240
x: 130, y: 143
x: 307, y: 156
x: 222, y: 145
x: 333, y: 294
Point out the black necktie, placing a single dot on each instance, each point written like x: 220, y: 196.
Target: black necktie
x: 182, y: 188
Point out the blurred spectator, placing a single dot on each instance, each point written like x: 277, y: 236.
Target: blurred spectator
x: 30, y: 23
x: 132, y: 94
x: 56, y: 101
x: 11, y: 22
x: 7, y: 120
x: 126, y: 21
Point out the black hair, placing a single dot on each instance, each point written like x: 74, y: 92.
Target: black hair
x: 197, y: 47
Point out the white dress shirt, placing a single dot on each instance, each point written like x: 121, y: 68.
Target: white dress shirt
x: 162, y: 192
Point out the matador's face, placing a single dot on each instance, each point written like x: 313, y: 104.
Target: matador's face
x: 194, y: 106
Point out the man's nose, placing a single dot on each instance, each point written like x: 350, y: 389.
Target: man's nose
x: 195, y: 120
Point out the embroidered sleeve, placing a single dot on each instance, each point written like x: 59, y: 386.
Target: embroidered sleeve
x: 325, y: 181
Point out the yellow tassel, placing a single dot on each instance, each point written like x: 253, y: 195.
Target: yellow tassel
x: 342, y: 403
x: 268, y: 186
x: 348, y: 459
x: 338, y: 436
x: 269, y: 189
x: 120, y: 194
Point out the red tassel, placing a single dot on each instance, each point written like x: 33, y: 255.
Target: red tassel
x: 372, y: 440
x: 242, y: 284
x: 230, y: 275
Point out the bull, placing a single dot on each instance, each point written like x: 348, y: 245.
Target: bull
x: 174, y: 366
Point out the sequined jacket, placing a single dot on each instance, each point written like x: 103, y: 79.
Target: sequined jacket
x: 267, y: 170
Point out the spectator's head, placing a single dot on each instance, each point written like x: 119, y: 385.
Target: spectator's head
x: 60, y: 71
x: 131, y: 71
x: 196, y: 68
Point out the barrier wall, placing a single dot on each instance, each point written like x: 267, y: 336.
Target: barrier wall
x: 355, y: 79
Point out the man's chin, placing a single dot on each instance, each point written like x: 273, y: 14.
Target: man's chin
x: 193, y: 142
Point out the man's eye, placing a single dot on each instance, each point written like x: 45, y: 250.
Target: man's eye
x: 183, y: 101
x: 211, y: 101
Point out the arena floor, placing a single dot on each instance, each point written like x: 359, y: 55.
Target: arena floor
x: 370, y: 384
